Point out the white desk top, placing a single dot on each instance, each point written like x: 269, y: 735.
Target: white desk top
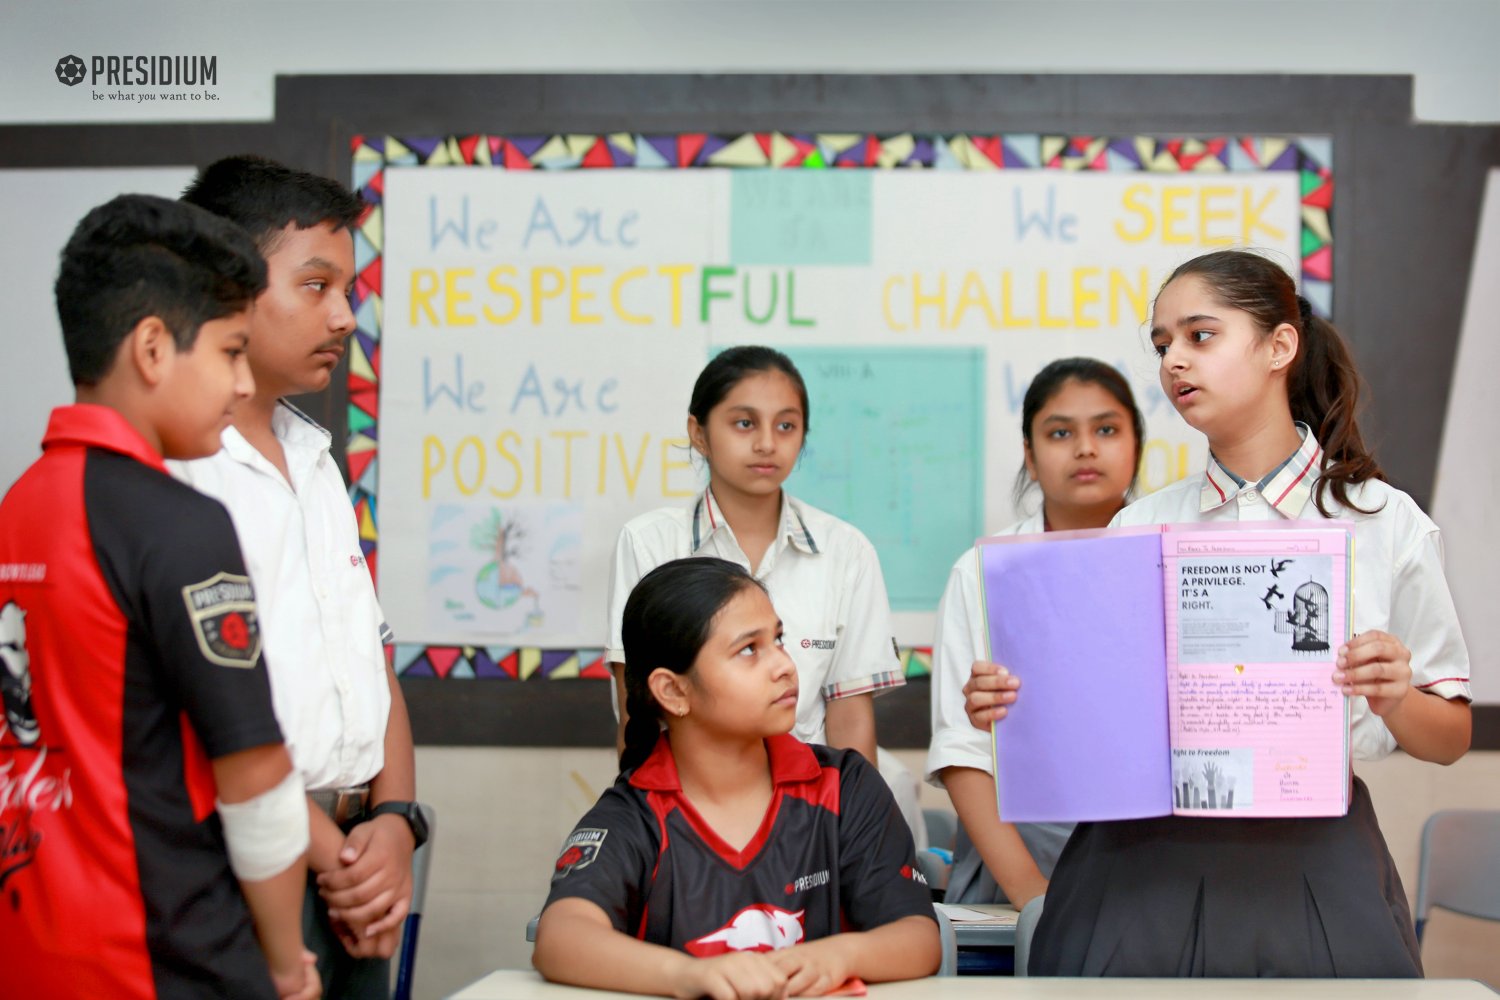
x: 518, y: 984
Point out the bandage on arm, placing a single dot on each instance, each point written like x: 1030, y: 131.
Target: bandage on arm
x: 267, y: 833
x: 260, y: 818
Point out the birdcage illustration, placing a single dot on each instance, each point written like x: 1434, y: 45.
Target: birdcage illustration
x: 1307, y: 621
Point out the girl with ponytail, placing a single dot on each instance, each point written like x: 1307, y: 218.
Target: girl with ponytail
x: 1246, y: 361
x: 729, y: 858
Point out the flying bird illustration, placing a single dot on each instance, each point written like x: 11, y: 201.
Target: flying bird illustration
x: 1275, y: 591
x: 1277, y: 567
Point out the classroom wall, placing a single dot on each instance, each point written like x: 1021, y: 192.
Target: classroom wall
x: 39, y: 209
x: 1445, y: 45
x: 503, y: 812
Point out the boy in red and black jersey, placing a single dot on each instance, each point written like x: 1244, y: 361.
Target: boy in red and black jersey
x: 833, y: 855
x: 133, y: 684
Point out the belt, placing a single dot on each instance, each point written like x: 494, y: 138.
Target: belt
x: 345, y: 806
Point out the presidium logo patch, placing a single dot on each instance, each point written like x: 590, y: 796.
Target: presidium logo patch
x: 580, y: 851
x: 222, y: 610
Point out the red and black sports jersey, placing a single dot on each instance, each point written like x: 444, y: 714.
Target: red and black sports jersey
x: 130, y: 658
x: 832, y: 854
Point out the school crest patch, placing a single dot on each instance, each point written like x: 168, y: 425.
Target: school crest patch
x: 580, y: 851
x: 222, y: 610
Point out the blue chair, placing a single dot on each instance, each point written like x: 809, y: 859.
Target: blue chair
x: 1460, y: 868
x: 421, y: 862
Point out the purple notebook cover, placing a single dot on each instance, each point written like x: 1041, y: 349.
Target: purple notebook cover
x: 1079, y: 620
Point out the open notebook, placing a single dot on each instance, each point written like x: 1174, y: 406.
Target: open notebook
x: 1174, y: 669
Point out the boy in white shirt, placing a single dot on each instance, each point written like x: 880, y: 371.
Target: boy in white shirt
x: 334, y: 693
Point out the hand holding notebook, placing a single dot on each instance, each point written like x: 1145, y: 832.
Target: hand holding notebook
x: 1175, y: 669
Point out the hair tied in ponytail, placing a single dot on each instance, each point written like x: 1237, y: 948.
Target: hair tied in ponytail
x: 667, y: 619
x: 1323, y: 386
x: 1305, y: 309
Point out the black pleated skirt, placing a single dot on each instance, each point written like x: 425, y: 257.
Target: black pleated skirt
x: 1237, y: 898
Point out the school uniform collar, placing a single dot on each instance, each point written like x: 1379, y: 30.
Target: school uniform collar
x: 291, y: 427
x: 792, y: 762
x: 708, y: 519
x: 1287, y: 488
x: 90, y: 425
x: 294, y: 425
x: 304, y: 440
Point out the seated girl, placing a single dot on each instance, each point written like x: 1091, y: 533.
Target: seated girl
x: 730, y: 859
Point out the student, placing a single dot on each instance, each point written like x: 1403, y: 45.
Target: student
x: 748, y: 418
x: 1245, y: 360
x: 336, y: 697
x: 729, y: 856
x: 128, y: 630
x: 1081, y: 435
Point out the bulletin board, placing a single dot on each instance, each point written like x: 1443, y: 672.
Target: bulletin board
x: 1419, y: 187
x: 533, y: 310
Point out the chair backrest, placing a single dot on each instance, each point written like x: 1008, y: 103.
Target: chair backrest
x: 949, y: 965
x: 1026, y: 923
x: 1460, y: 868
x: 942, y: 826
x: 935, y: 870
x: 421, y: 864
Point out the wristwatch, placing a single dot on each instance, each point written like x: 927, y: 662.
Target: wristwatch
x: 409, y: 812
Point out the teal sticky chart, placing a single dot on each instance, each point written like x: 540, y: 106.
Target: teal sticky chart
x: 897, y: 450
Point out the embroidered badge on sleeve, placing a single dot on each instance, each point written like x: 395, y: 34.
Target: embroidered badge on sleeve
x: 222, y: 610
x: 580, y: 851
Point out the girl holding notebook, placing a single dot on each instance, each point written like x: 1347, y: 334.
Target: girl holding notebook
x: 1081, y: 436
x: 1245, y: 360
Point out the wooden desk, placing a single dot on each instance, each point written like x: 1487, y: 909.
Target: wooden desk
x: 517, y: 984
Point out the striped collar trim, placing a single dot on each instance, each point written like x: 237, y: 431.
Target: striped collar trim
x: 708, y: 518
x: 282, y: 404
x: 1287, y: 489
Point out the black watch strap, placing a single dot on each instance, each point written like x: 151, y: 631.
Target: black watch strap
x: 409, y: 812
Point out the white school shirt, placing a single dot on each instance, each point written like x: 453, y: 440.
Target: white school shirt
x: 321, y: 626
x: 958, y: 642
x: 824, y: 580
x: 1398, y: 579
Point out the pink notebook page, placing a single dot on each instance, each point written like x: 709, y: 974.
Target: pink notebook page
x: 1254, y: 620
